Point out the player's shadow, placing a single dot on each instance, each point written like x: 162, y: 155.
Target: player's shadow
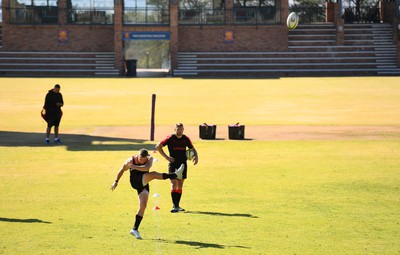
x: 23, y: 220
x: 73, y: 142
x: 246, y: 215
x: 201, y: 245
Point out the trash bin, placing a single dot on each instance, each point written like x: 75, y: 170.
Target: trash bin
x: 207, y: 131
x: 236, y: 131
x: 131, y: 67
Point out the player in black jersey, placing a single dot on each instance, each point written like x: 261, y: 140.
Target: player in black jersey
x: 139, y: 166
x: 177, y: 144
x: 52, y: 112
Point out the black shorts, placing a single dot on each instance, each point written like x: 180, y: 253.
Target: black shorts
x: 53, y: 119
x: 172, y: 167
x: 136, y: 179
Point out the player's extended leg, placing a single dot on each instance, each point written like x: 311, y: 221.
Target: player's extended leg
x: 148, y: 177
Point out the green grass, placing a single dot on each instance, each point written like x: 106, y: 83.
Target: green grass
x: 253, y: 197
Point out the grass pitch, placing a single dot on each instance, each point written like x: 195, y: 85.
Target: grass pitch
x: 252, y: 196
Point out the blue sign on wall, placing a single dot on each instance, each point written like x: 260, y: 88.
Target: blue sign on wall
x: 145, y: 36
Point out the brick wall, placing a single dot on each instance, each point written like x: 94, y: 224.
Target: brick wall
x: 387, y: 11
x: 45, y: 38
x: 246, y: 38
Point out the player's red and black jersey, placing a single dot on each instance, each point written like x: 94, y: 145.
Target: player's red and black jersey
x: 136, y: 176
x: 177, y: 147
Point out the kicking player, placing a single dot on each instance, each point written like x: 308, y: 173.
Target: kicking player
x: 139, y: 166
x: 177, y: 144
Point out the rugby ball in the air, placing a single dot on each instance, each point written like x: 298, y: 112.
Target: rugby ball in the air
x: 189, y: 154
x: 292, y: 20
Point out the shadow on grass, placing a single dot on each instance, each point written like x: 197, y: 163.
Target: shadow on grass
x: 201, y: 245
x: 23, y: 220
x: 72, y: 142
x: 224, y: 214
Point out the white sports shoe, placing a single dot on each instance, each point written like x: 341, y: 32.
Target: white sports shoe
x: 179, y: 172
x: 136, y: 234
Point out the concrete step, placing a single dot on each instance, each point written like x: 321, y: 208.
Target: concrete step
x: 279, y: 73
x: 368, y: 51
x: 289, y: 58
x: 57, y: 64
x: 313, y: 35
x: 312, y: 42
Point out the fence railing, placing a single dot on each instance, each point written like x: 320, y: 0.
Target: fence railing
x: 256, y: 15
x: 99, y: 16
x: 89, y: 16
x: 34, y: 15
x: 241, y: 16
x: 309, y: 14
x: 361, y: 14
x: 201, y: 16
x: 148, y: 16
x: 368, y: 14
x: 46, y: 15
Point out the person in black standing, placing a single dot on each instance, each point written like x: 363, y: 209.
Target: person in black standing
x: 177, y: 144
x: 52, y: 106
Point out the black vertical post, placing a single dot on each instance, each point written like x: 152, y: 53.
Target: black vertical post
x: 153, y: 106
